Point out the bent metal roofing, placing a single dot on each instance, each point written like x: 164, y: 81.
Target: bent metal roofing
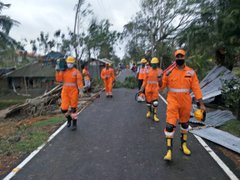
x: 34, y: 70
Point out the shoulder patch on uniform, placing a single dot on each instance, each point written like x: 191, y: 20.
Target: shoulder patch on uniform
x: 190, y: 72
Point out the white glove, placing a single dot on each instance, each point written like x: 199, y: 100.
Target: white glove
x: 80, y: 92
x: 57, y: 68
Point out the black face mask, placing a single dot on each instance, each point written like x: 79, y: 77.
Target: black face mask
x: 143, y: 65
x: 180, y: 62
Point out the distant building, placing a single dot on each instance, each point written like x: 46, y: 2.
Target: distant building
x: 96, y: 65
x: 34, y: 78
x: 50, y: 58
x: 4, y: 83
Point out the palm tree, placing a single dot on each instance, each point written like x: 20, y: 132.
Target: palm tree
x: 6, y: 24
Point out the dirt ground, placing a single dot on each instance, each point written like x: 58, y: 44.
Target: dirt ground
x: 8, y: 130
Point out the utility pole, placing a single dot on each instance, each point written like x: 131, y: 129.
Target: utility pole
x: 80, y: 2
x: 76, y: 16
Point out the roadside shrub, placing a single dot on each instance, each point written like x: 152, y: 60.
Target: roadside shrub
x: 118, y: 84
x: 231, y: 95
x: 130, y: 82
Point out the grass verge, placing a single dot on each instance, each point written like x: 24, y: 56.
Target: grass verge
x: 232, y: 126
x: 9, y: 100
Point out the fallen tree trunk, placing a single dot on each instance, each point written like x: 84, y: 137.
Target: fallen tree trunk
x: 36, y: 106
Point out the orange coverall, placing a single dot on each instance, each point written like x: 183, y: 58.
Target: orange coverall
x: 108, y: 77
x: 142, y: 73
x: 72, y: 81
x: 151, y: 84
x: 179, y: 83
x: 86, y: 74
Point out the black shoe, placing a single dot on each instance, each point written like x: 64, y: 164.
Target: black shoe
x: 69, y: 121
x: 74, y: 126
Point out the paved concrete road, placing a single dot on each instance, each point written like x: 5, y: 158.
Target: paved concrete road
x: 115, y: 141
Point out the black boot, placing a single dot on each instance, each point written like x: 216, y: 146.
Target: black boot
x: 74, y: 126
x: 69, y: 121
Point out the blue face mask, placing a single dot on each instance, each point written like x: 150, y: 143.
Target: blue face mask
x: 70, y: 65
x: 154, y: 66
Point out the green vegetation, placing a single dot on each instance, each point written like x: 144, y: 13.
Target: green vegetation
x: 232, y: 127
x: 231, y: 95
x: 49, y: 122
x: 236, y: 71
x: 28, y: 137
x: 7, y: 101
x: 129, y: 82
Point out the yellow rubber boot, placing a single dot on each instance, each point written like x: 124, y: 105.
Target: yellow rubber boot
x: 148, y: 114
x: 184, y: 147
x: 168, y: 156
x: 155, y: 118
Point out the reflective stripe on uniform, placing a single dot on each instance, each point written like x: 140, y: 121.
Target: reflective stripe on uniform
x: 184, y: 131
x: 152, y: 82
x: 69, y: 84
x: 169, y: 134
x: 178, y: 90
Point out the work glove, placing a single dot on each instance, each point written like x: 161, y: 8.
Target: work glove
x: 141, y: 90
x: 80, y: 92
x: 160, y: 76
x: 204, y: 116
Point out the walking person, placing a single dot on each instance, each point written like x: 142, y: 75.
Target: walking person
x: 72, y: 87
x: 108, y: 77
x: 151, y: 85
x: 179, y: 81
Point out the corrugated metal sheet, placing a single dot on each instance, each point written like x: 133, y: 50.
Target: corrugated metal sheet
x: 105, y: 61
x: 211, y: 85
x: 215, y: 118
x: 219, y: 137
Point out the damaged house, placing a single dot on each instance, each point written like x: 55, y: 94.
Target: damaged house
x: 35, y: 78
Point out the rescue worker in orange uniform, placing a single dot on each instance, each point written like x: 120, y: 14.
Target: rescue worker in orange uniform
x: 141, y: 72
x: 108, y: 77
x: 151, y: 84
x: 87, y: 79
x: 72, y: 86
x: 179, y: 81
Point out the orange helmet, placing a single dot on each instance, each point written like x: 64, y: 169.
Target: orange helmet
x: 179, y: 51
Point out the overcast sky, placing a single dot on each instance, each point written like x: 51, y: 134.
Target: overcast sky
x: 50, y: 15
